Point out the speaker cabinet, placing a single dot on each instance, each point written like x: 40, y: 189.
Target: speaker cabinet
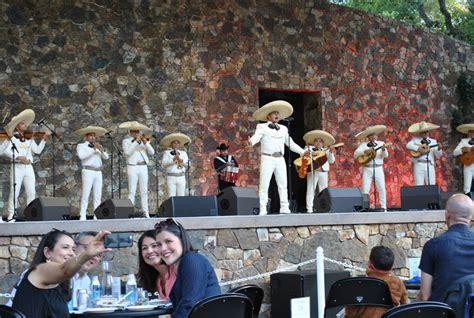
x: 420, y: 197
x: 287, y: 285
x: 115, y: 209
x: 339, y: 200
x: 47, y: 209
x: 237, y: 201
x: 189, y: 206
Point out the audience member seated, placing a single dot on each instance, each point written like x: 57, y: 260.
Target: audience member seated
x: 380, y: 265
x: 195, y: 278
x: 448, y: 258
x: 44, y: 289
x: 153, y: 273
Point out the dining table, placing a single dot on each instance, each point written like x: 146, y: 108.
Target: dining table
x: 157, y: 312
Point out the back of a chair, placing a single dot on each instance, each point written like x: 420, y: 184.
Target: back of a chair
x: 8, y: 312
x: 254, y: 293
x: 225, y: 305
x: 422, y: 309
x: 366, y: 291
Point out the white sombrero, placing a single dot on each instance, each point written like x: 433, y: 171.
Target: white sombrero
x: 98, y: 131
x: 283, y: 108
x: 327, y: 138
x: 134, y: 125
x: 28, y: 116
x: 421, y: 127
x: 168, y: 139
x: 465, y: 128
x: 377, y: 129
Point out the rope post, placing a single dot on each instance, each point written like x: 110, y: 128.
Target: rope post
x: 320, y: 281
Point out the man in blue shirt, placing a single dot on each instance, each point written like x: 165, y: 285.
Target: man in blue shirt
x: 449, y: 256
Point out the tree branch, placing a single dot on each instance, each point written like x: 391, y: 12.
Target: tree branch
x: 421, y: 11
x: 447, y: 18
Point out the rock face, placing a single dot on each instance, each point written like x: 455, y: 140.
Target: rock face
x: 243, y: 253
x: 196, y: 67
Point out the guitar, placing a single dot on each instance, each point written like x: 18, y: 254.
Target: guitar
x: 319, y: 159
x: 423, y: 151
x: 366, y: 157
x: 467, y: 158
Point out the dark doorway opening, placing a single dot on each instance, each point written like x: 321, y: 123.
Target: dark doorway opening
x: 307, y: 115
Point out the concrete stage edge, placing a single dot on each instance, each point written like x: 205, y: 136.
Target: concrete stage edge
x: 227, y: 222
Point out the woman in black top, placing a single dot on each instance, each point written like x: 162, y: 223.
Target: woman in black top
x: 43, y: 291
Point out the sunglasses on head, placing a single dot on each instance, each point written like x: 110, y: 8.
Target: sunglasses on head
x: 166, y: 223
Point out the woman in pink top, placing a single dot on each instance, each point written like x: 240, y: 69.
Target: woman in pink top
x: 153, y: 274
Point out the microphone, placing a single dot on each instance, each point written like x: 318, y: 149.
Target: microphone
x: 41, y: 122
x: 108, y: 133
x: 288, y: 119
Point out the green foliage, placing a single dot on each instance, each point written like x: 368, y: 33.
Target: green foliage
x: 465, y: 112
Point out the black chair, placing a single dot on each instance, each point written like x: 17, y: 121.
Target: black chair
x: 8, y: 312
x: 254, y: 293
x: 359, y: 291
x: 225, y: 305
x: 422, y: 309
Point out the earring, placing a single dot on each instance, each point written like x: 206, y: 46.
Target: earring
x: 48, y: 260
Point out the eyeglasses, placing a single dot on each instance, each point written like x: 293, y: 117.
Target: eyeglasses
x: 167, y: 223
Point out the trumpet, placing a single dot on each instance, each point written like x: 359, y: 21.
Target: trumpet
x: 177, y: 159
x: 96, y: 145
x: 143, y: 138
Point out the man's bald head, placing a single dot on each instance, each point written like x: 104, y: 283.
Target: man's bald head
x: 459, y: 209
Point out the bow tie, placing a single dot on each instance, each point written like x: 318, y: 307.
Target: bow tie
x: 425, y: 141
x: 173, y: 153
x: 471, y: 142
x: 372, y: 144
x: 273, y: 126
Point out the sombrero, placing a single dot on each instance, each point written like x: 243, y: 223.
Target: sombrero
x: 421, y: 127
x: 98, y: 131
x: 465, y: 128
x: 327, y: 138
x: 283, y: 108
x: 134, y: 125
x: 168, y: 139
x: 377, y: 129
x: 28, y: 116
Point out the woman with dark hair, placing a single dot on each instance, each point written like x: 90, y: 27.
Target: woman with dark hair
x: 195, y: 278
x: 43, y: 291
x: 153, y: 274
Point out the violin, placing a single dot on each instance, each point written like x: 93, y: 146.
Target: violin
x: 25, y: 135
x: 4, y: 135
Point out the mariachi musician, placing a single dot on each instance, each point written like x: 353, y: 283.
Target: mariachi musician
x: 371, y: 153
x: 25, y: 147
x: 91, y: 153
x: 423, y: 150
x: 136, y: 148
x: 225, y: 164
x: 175, y: 161
x: 465, y: 151
x: 319, y: 144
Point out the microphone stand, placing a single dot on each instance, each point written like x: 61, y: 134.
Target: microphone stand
x: 157, y: 184
x: 373, y: 181
x: 119, y: 155
x: 187, y: 169
x: 53, y: 144
x: 13, y: 148
x: 313, y: 185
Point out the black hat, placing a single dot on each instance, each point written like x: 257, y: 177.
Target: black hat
x: 222, y: 147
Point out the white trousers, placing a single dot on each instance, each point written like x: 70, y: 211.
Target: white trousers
x: 468, y: 173
x: 268, y: 167
x: 24, y: 175
x: 367, y: 175
x: 319, y: 179
x: 176, y: 186
x: 138, y: 175
x: 91, y: 180
x: 420, y: 173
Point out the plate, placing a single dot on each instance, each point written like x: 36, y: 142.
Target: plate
x: 158, y: 302
x: 100, y: 310
x: 141, y: 308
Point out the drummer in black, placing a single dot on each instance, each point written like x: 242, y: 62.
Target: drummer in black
x: 221, y: 162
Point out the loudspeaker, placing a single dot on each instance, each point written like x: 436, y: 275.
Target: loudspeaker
x: 189, y: 206
x: 287, y: 285
x: 339, y: 200
x: 420, y: 197
x: 47, y: 209
x: 443, y: 198
x: 237, y: 201
x: 115, y: 209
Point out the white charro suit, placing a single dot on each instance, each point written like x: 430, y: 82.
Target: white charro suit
x: 137, y: 154
x: 272, y: 161
x: 175, y: 176
x: 24, y: 172
x: 468, y: 170
x: 319, y: 177
x: 424, y: 163
x: 91, y: 175
x: 374, y: 168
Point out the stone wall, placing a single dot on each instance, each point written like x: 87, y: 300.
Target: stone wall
x: 196, y: 66
x: 238, y: 253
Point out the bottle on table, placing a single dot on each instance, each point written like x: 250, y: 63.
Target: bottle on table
x: 95, y: 289
x: 106, y: 279
x: 131, y: 286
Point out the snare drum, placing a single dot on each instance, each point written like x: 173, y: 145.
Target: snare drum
x: 231, y: 174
